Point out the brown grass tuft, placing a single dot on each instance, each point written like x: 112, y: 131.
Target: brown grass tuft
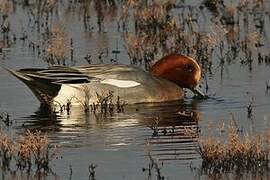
x: 235, y: 152
x: 6, y: 7
x: 58, y: 46
x: 31, y: 151
x: 36, y: 147
x: 7, y: 150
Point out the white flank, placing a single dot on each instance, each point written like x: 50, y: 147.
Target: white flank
x: 66, y: 93
x: 121, y: 83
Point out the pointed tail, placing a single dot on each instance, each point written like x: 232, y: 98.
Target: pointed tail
x: 18, y: 75
x: 43, y: 89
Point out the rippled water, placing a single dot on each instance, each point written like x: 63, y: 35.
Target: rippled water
x: 117, y: 142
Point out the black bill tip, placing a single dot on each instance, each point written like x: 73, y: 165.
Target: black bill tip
x: 198, y: 94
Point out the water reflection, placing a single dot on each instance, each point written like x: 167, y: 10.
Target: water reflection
x: 42, y: 120
x: 173, y: 140
x: 163, y: 125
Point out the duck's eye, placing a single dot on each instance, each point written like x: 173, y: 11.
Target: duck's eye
x: 189, y: 67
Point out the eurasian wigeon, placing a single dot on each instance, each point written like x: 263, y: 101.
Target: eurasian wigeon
x: 164, y: 82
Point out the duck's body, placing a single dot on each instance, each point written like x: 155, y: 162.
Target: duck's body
x: 87, y: 84
x: 130, y: 84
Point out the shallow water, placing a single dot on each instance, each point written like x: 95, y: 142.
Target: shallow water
x: 117, y: 142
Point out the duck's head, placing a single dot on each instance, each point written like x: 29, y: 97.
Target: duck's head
x: 182, y: 70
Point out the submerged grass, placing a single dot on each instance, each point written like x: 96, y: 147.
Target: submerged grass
x: 5, y: 118
x: 153, y: 165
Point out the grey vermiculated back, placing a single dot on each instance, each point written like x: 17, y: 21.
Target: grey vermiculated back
x: 62, y: 83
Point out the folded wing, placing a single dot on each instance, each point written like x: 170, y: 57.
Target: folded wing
x: 46, y: 83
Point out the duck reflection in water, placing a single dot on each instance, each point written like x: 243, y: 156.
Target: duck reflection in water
x: 163, y: 125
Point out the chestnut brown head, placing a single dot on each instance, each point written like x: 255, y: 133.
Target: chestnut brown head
x: 182, y: 70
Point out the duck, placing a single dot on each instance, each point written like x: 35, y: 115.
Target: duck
x: 89, y: 83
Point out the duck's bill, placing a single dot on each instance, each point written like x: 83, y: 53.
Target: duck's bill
x: 198, y: 93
